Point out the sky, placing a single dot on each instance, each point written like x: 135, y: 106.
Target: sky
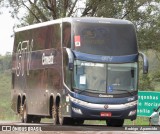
x: 6, y: 28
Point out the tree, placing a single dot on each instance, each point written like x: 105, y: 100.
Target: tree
x: 145, y: 14
x: 43, y: 10
x: 5, y: 62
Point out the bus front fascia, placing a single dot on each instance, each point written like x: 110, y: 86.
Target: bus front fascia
x: 129, y: 104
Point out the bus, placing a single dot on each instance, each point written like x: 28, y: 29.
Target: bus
x: 76, y: 69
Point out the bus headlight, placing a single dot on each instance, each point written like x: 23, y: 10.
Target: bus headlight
x: 77, y: 110
x: 131, y: 113
x: 130, y: 104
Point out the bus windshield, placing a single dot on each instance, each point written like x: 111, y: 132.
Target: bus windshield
x: 105, y: 78
x: 105, y: 39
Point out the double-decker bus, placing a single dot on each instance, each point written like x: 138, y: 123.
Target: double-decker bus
x: 76, y: 69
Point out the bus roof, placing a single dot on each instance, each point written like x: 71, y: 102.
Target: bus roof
x: 101, y: 20
x: 70, y: 19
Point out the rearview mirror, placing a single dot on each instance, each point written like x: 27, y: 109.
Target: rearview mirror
x: 145, y: 62
x: 70, y: 66
x: 70, y: 59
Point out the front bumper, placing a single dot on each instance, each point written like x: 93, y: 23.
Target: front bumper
x: 85, y: 110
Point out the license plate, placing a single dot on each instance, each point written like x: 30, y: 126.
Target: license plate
x: 106, y: 114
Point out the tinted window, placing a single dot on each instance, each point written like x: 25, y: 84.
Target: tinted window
x: 105, y: 39
x: 66, y: 34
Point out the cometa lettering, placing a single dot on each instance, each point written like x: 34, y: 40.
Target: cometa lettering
x: 108, y: 96
x: 47, y: 60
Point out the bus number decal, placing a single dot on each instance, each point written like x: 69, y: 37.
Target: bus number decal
x: 23, y: 57
x: 77, y: 41
x: 47, y: 60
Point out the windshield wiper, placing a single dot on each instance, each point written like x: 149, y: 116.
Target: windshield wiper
x: 85, y: 90
x: 126, y: 91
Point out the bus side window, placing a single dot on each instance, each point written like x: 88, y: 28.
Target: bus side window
x: 67, y: 35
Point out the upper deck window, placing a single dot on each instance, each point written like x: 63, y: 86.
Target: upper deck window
x: 105, y: 39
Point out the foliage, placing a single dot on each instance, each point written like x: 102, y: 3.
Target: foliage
x: 145, y: 14
x: 5, y: 62
x: 43, y: 10
x: 5, y: 88
x: 5, y: 100
x: 145, y: 83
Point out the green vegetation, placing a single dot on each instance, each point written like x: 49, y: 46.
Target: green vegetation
x: 139, y: 121
x: 5, y: 97
x: 151, y: 81
x: 5, y: 88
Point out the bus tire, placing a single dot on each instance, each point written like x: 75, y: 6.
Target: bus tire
x: 21, y: 113
x: 60, y: 117
x: 25, y: 117
x: 54, y: 114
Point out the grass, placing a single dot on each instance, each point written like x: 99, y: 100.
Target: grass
x: 140, y: 121
x: 5, y: 97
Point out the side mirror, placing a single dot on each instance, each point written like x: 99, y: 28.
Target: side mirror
x: 70, y: 59
x: 145, y: 62
x: 70, y: 66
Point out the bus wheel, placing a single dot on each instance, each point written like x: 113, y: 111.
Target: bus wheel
x: 26, y: 118
x: 54, y: 115
x: 21, y: 114
x: 62, y: 120
x: 115, y: 122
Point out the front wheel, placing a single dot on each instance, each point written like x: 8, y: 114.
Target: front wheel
x: 62, y: 120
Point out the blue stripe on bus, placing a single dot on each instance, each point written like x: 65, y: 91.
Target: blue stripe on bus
x: 106, y: 59
x: 104, y: 100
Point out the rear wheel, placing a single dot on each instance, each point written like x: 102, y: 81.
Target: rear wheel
x: 25, y: 117
x: 62, y: 120
x: 21, y: 114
